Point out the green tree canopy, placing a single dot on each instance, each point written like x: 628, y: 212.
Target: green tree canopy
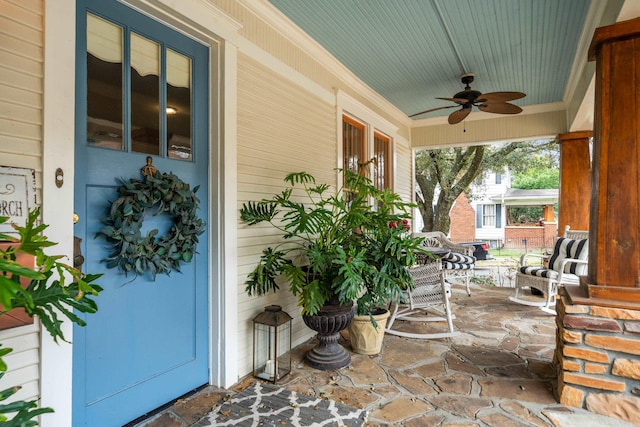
x: 537, y: 179
x: 451, y: 171
x: 542, y: 170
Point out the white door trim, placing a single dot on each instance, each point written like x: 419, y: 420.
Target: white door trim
x: 57, y: 203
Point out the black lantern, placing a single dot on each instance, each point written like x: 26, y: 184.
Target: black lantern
x: 272, y: 344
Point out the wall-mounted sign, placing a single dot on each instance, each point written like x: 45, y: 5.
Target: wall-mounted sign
x: 17, y: 195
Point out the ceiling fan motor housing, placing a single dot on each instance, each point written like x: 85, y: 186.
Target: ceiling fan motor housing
x: 469, y: 95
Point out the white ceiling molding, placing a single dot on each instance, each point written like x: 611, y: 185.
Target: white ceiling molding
x: 630, y: 10
x: 279, y: 22
x: 592, y: 21
x: 580, y: 90
x: 583, y: 119
x: 197, y: 17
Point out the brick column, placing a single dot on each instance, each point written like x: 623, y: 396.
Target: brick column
x: 597, y: 359
x: 575, y: 180
x: 598, y: 341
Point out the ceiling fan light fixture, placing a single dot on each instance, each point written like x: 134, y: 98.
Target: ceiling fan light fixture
x: 492, y: 102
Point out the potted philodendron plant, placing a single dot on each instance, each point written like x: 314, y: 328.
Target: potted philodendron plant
x: 337, y: 247
x: 54, y: 291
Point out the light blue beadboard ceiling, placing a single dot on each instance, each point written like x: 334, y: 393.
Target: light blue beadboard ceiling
x: 412, y: 51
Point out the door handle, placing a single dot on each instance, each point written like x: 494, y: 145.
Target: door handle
x: 78, y: 259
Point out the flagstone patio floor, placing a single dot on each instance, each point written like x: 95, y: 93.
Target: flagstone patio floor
x: 497, y: 372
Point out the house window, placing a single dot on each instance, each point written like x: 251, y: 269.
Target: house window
x: 353, y: 149
x: 489, y: 215
x: 382, y: 167
x: 364, y: 145
x: 498, y: 178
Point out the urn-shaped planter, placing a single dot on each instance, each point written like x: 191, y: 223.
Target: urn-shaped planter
x: 365, y: 338
x: 328, y: 354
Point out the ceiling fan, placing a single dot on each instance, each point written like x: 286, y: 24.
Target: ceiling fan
x: 492, y: 102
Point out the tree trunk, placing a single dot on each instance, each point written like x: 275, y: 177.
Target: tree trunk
x: 453, y: 170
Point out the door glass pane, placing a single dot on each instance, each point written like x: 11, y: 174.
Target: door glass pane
x: 104, y: 83
x: 179, y: 144
x: 145, y: 95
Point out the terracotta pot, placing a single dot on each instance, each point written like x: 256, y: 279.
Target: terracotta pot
x: 328, y: 354
x: 365, y: 338
x: 17, y: 316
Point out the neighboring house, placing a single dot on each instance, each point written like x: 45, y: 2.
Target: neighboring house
x: 489, y: 208
x: 493, y: 198
x: 248, y: 98
x: 481, y: 218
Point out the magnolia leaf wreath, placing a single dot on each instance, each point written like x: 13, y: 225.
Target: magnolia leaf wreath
x: 157, y: 193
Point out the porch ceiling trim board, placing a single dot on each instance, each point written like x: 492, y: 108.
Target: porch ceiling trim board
x: 579, y: 92
x: 519, y: 127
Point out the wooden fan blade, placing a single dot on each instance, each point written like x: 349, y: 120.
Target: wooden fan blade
x: 458, y: 116
x: 500, y: 108
x: 490, y: 97
x: 460, y: 101
x: 433, y: 109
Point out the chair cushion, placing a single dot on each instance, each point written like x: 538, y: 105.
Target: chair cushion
x: 539, y: 272
x: 458, y: 258
x: 456, y: 266
x: 570, y: 248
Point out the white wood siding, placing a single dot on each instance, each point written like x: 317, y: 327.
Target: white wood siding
x: 281, y: 128
x: 403, y: 169
x: 21, y: 86
x: 23, y: 362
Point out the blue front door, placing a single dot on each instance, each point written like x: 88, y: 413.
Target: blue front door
x: 142, y: 90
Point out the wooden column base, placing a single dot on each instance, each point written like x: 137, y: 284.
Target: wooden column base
x: 591, y: 294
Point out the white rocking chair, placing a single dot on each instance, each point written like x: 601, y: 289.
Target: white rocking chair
x: 459, y: 263
x: 567, y: 263
x: 429, y: 294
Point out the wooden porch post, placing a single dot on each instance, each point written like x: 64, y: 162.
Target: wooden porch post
x: 614, y: 244
x: 575, y: 180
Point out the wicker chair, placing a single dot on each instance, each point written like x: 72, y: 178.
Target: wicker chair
x: 567, y: 262
x: 428, y: 301
x: 459, y: 263
x: 575, y: 234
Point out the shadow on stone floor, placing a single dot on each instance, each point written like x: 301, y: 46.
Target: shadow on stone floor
x: 497, y: 372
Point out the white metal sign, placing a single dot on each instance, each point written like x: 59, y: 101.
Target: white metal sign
x: 17, y: 196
